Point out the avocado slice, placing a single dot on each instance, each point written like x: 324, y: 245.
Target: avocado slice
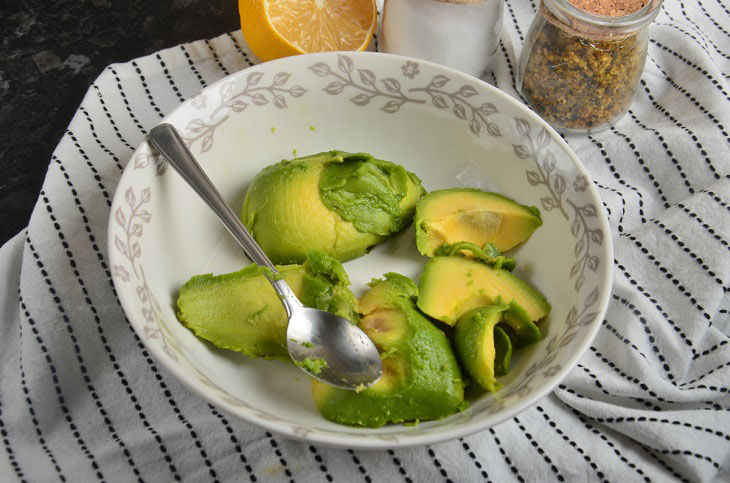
x: 242, y: 312
x: 451, y: 286
x: 338, y: 203
x: 467, y: 214
x: 421, y: 379
x: 502, y: 351
x: 474, y: 342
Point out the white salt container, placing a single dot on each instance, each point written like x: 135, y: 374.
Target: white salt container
x: 463, y: 34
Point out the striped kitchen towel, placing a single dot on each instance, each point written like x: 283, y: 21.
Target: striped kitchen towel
x: 81, y: 399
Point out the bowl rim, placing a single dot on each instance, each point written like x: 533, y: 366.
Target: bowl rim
x: 344, y: 440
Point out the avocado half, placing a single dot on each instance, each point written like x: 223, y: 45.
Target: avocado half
x: 242, y: 312
x: 472, y: 215
x: 334, y: 202
x: 421, y: 379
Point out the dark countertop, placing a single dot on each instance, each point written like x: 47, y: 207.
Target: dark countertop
x: 52, y: 51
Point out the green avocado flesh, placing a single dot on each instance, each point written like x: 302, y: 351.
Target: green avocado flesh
x: 450, y: 286
x: 472, y: 215
x: 337, y: 203
x: 475, y: 345
x: 421, y: 379
x: 242, y: 312
x: 485, y: 348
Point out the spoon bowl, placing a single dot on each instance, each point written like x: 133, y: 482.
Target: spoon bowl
x: 328, y: 347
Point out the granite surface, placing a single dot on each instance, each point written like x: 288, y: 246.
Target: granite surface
x: 50, y: 54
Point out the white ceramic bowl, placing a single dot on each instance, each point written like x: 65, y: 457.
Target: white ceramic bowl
x: 450, y: 129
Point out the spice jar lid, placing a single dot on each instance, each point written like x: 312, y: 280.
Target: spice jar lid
x: 582, y: 22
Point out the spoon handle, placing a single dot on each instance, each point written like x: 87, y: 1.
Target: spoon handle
x: 166, y: 139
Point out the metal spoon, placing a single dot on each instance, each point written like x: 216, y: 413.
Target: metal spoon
x: 352, y: 360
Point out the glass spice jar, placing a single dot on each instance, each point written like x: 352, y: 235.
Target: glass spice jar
x: 579, y: 71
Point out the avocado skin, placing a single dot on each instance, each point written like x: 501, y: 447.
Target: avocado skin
x: 240, y: 311
x: 421, y: 377
x: 335, y: 202
x: 469, y: 214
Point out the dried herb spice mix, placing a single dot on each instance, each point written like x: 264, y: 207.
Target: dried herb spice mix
x: 580, y: 72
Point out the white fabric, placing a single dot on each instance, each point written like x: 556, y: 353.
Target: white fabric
x: 81, y: 399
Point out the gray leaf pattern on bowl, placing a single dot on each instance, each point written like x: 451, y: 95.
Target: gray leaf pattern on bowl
x: 131, y: 219
x: 344, y: 77
x: 234, y: 101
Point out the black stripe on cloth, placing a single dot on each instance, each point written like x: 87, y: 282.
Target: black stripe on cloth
x: 399, y: 465
x: 716, y: 198
x: 438, y: 465
x: 509, y: 67
x: 109, y: 116
x: 699, y: 69
x: 31, y: 410
x: 110, y: 353
x: 703, y: 43
x: 606, y: 325
x: 514, y: 21
x: 192, y: 66
x: 618, y: 177
x: 668, y: 152
x: 605, y: 439
x: 649, y: 333
x: 704, y: 225
x: 597, y: 383
x: 279, y: 455
x: 318, y: 458
x: 54, y: 373
x: 146, y: 88
x: 656, y: 458
x: 599, y: 474
x: 692, y: 98
x: 216, y: 58
x: 360, y: 467
x: 692, y: 254
x: 686, y: 452
x: 688, y: 384
x: 97, y: 176
x: 480, y: 467
x: 673, y: 422
x: 9, y: 449
x: 644, y: 387
x: 506, y: 457
x: 85, y: 219
x: 240, y: 50
x: 126, y: 102
x: 171, y: 401
x: 82, y: 364
x: 723, y: 7
x: 711, y: 19
x: 711, y: 349
x: 668, y: 275
x: 684, y: 128
x: 646, y: 169
x: 651, y: 298
x: 98, y: 141
x: 166, y: 73
x: 540, y: 451
x: 619, y: 225
x: 235, y: 443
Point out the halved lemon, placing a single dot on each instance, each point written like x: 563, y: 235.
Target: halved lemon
x: 280, y: 28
